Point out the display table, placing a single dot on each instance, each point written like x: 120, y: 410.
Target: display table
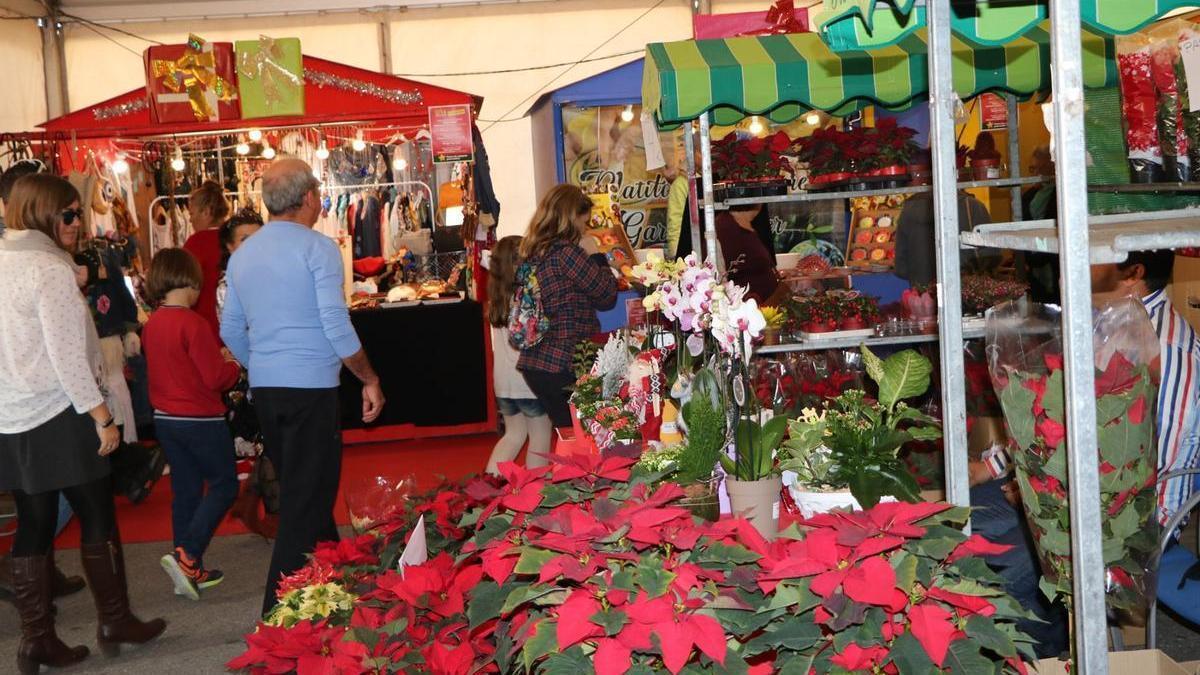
x: 434, y: 362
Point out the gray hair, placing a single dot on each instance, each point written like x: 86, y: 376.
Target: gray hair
x: 284, y: 191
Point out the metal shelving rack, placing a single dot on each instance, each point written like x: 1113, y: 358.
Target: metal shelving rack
x: 852, y: 342
x: 817, y: 196
x: 1106, y: 238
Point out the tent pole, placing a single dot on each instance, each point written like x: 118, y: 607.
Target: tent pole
x: 689, y: 147
x: 54, y: 65
x: 710, y: 214
x: 942, y: 142
x: 1014, y: 154
x: 1087, y: 559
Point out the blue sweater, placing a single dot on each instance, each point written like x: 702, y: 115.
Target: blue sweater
x: 285, y: 311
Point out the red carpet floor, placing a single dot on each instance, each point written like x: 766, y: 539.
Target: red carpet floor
x: 426, y: 459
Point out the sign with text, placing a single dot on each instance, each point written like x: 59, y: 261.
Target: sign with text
x: 993, y: 112
x: 450, y: 131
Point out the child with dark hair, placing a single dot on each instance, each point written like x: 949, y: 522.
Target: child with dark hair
x: 188, y: 374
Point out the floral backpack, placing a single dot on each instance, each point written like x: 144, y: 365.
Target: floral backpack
x: 527, y: 320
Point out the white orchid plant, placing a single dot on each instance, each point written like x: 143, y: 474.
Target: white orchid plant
x: 692, y: 295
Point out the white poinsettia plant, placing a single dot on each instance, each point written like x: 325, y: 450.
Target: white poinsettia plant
x: 693, y: 295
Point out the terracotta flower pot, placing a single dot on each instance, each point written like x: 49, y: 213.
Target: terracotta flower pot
x: 771, y: 336
x: 853, y: 323
x: 985, y: 169
x: 817, y: 327
x: 757, y: 501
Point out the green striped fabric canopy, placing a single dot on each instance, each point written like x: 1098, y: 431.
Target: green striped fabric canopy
x: 865, y: 24
x: 784, y: 76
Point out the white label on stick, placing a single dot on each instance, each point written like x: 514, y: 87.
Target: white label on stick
x: 654, y: 151
x: 1190, y: 50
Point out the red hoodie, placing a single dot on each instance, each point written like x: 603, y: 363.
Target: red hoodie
x: 187, y: 372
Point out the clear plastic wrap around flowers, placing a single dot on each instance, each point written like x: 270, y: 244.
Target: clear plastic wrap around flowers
x: 373, y: 501
x: 1025, y: 359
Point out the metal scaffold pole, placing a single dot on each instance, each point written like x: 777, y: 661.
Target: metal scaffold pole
x: 710, y: 213
x: 942, y: 143
x: 1087, y: 561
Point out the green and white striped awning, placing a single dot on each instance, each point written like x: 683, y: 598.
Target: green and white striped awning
x: 866, y: 24
x: 784, y: 76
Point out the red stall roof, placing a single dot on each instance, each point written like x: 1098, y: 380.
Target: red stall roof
x: 335, y: 93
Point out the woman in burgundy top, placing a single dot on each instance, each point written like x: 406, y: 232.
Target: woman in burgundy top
x: 748, y: 260
x: 207, y: 209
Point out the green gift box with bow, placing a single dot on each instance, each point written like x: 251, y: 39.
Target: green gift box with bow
x: 270, y: 77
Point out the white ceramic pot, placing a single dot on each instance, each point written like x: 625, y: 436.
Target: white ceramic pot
x: 813, y: 503
x: 757, y: 501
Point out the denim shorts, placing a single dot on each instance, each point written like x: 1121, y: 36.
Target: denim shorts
x: 529, y: 407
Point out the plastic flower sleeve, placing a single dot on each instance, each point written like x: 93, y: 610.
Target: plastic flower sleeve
x: 1172, y: 138
x: 1025, y: 360
x: 1139, y: 108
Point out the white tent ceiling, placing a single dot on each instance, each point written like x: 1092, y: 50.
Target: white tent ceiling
x: 117, y: 11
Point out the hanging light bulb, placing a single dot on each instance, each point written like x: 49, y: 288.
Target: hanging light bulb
x: 359, y: 144
x: 177, y: 163
x: 120, y: 165
x: 242, y: 148
x: 255, y: 135
x: 268, y: 152
x: 756, y: 125
x: 399, y: 164
x: 813, y: 118
x: 627, y: 113
x: 323, y: 151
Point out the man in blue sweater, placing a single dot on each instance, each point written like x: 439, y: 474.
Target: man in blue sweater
x: 285, y: 317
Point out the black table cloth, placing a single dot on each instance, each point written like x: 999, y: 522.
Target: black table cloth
x: 431, y: 360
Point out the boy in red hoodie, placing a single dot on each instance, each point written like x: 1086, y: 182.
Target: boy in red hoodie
x: 188, y: 373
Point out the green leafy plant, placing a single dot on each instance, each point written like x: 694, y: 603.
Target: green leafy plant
x: 855, y: 442
x: 755, y: 445
x: 706, y: 439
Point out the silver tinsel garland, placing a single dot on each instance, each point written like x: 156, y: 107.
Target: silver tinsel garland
x: 120, y: 110
x: 398, y: 96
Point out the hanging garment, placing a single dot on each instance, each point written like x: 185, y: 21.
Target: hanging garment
x: 367, y: 222
x: 119, y: 400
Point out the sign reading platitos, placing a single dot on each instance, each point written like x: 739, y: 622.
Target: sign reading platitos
x: 450, y: 129
x: 604, y: 151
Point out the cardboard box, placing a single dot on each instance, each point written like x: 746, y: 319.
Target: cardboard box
x: 1144, y: 662
x: 1184, y: 290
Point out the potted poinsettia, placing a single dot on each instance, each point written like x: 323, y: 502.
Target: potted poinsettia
x: 825, y: 153
x: 894, y: 149
x: 848, y: 453
x: 858, y: 312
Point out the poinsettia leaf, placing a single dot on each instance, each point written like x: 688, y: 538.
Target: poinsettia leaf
x: 654, y: 580
x: 905, y: 565
x: 571, y: 662
x: 395, y: 627
x: 965, y: 658
x: 741, y: 622
x: 1052, y: 400
x: 493, y: 528
x: 792, y: 635
x: 364, y: 635
x: 938, y: 542
x: 533, y: 559
x: 1109, y: 408
x: 1017, y: 402
x: 543, y: 641
x: 909, y: 657
x: 486, y: 600
x: 969, y: 586
x: 983, y: 630
x: 845, y: 612
x: 930, y: 624
x: 557, y: 494
x: 612, y: 620
x: 719, y: 553
x: 793, y: 594
x: 523, y: 594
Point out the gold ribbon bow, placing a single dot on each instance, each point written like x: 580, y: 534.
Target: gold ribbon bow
x: 277, y: 82
x: 196, y: 74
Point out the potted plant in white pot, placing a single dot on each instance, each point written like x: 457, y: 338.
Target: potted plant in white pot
x: 848, y: 454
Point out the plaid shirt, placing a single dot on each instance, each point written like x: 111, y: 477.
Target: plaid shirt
x: 573, y: 288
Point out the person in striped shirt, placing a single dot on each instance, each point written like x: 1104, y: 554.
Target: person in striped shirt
x: 1145, y: 275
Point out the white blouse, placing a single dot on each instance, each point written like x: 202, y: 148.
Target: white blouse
x: 46, y: 336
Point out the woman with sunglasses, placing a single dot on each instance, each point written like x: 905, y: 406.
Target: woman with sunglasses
x: 55, y: 430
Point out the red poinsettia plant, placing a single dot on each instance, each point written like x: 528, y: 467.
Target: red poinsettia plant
x: 1031, y: 392
x: 740, y: 159
x: 893, y: 144
x: 585, y: 566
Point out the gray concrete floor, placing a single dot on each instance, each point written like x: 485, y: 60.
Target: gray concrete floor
x: 200, y: 637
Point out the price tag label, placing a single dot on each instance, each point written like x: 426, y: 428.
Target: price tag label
x: 1190, y: 51
x: 653, y: 144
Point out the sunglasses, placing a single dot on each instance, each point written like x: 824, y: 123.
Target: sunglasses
x: 69, y: 215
